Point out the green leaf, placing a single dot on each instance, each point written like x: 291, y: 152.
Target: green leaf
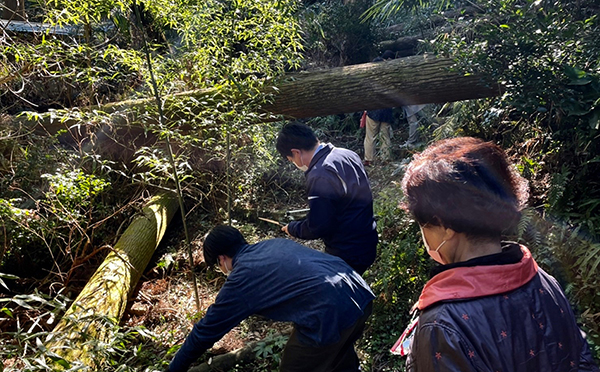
x: 581, y: 81
x: 595, y: 119
x: 40, y: 345
x: 60, y: 361
x: 8, y: 276
x: 7, y: 311
x: 576, y: 74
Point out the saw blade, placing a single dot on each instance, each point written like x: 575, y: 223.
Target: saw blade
x: 271, y: 221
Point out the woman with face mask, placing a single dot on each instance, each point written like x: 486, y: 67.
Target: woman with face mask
x: 488, y: 306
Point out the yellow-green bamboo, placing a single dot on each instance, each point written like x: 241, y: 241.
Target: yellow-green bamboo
x: 105, y: 295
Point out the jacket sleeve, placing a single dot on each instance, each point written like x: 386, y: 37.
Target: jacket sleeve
x: 229, y: 309
x: 323, y: 192
x: 437, y: 347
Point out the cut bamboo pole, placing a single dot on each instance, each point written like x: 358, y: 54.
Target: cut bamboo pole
x: 104, y: 298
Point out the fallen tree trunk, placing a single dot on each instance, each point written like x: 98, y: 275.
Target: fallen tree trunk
x: 402, y: 47
x: 400, y: 82
x: 104, y: 298
x: 405, y: 81
x: 37, y: 27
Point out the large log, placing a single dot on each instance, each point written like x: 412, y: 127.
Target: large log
x: 405, y: 81
x: 36, y: 27
x: 404, y: 46
x: 400, y: 82
x: 104, y: 298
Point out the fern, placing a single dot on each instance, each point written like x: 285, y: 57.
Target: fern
x: 527, y: 230
x: 589, y: 261
x: 557, y: 189
x: 448, y: 129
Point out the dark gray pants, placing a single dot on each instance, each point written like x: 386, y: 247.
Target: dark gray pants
x: 338, y: 357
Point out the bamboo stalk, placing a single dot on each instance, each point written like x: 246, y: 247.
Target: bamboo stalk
x: 105, y: 295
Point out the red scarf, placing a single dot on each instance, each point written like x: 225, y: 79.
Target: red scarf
x: 478, y: 281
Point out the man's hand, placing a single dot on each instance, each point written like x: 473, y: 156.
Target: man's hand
x: 285, y: 230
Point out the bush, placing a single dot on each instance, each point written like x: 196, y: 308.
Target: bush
x: 397, y: 278
x: 335, y: 35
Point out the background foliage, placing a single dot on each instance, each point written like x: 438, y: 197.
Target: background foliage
x: 547, y: 57
x: 334, y: 35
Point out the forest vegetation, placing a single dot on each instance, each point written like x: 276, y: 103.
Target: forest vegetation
x: 163, y: 172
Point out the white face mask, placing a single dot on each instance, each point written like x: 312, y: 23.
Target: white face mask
x: 302, y: 167
x: 435, y: 255
x: 226, y: 268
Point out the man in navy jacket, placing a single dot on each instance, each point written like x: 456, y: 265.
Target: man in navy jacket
x: 325, y: 299
x: 339, y: 197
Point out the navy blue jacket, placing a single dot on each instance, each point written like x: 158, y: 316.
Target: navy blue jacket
x: 385, y: 115
x: 284, y: 281
x: 510, y: 317
x: 341, y: 207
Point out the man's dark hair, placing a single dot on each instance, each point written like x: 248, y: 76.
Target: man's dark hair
x: 467, y: 185
x: 222, y: 240
x: 388, y: 54
x: 295, y: 135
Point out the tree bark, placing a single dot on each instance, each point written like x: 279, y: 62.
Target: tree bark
x: 14, y: 10
x: 33, y: 27
x: 404, y: 46
x: 405, y: 81
x: 400, y: 82
x: 104, y: 298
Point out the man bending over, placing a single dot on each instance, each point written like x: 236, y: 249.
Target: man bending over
x: 325, y: 299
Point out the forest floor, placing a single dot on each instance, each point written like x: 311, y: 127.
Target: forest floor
x: 164, y: 301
